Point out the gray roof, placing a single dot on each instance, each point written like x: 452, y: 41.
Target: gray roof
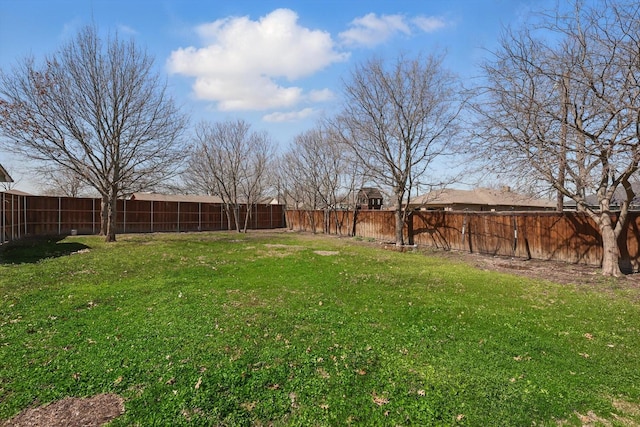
x: 15, y: 192
x: 155, y: 197
x: 480, y: 196
x: 619, y: 196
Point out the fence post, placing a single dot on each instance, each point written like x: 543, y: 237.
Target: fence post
x: 24, y: 198
x: 12, y: 218
x: 59, y: 215
x: 178, y: 217
x: 410, y: 228
x: 515, y: 233
x: 18, y: 215
x: 3, y: 212
x: 152, y: 216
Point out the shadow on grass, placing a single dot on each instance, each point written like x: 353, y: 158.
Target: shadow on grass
x: 32, y: 250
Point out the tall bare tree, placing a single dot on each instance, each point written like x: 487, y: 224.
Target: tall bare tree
x: 61, y: 182
x: 320, y: 173
x: 230, y: 161
x: 398, y: 118
x: 256, y: 174
x: 562, y: 102
x: 294, y: 189
x: 97, y: 108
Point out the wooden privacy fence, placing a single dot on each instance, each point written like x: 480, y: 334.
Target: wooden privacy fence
x: 568, y: 236
x: 22, y: 216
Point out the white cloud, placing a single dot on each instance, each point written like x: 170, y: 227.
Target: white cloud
x: 429, y: 24
x: 321, y: 95
x: 242, y: 60
x: 70, y: 29
x: 289, y: 116
x: 125, y: 29
x: 245, y: 92
x: 371, y: 30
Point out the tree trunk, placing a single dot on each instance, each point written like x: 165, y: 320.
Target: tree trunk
x: 338, y: 222
x: 104, y: 214
x: 409, y: 222
x: 610, y: 250
x: 326, y: 219
x: 247, y: 217
x: 399, y: 225
x: 227, y: 211
x: 354, y: 221
x: 110, y: 232
x: 236, y: 216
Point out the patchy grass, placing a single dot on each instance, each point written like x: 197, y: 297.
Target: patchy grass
x: 287, y: 329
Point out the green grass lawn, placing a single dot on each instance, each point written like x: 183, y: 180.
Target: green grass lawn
x: 286, y: 329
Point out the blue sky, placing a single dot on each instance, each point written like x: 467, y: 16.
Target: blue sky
x: 277, y: 64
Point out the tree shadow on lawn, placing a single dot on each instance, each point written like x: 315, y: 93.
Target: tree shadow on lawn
x: 33, y: 250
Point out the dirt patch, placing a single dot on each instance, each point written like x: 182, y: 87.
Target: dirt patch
x: 553, y: 271
x: 558, y: 272
x: 630, y: 412
x: 71, y: 412
x: 277, y: 250
x: 326, y: 253
x: 627, y: 407
x: 281, y: 246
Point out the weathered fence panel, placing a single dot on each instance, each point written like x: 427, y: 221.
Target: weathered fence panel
x: 25, y: 215
x: 379, y: 225
x: 136, y: 216
x: 569, y: 236
x: 12, y: 217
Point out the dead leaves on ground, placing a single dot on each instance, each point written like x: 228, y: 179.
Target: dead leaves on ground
x: 379, y: 399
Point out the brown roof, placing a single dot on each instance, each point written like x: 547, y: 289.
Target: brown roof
x: 155, y: 197
x: 480, y: 196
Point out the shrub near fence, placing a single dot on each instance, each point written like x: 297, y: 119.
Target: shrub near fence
x: 22, y: 216
x: 569, y: 236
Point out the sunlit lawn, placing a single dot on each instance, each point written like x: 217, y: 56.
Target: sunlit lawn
x: 286, y: 329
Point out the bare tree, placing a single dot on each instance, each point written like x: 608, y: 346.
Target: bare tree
x: 562, y: 102
x: 255, y: 174
x: 319, y: 173
x: 96, y: 108
x: 62, y: 182
x: 230, y: 161
x: 398, y: 119
x: 292, y: 188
